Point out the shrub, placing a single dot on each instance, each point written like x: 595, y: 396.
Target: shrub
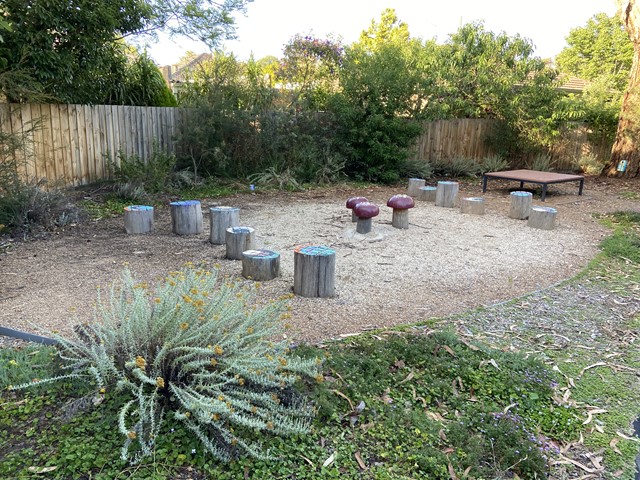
x: 493, y: 163
x: 196, y: 352
x: 590, y: 164
x: 540, y: 162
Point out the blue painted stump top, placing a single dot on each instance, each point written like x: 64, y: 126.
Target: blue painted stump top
x: 261, y: 253
x: 319, y: 250
x: 185, y: 203
x: 138, y: 208
x: 428, y: 188
x: 223, y: 209
x: 546, y: 209
x: 446, y: 183
x: 239, y: 229
x: 522, y: 194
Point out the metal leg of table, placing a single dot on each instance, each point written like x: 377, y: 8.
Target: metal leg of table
x: 484, y: 183
x: 521, y: 184
x: 544, y: 192
x: 581, y: 185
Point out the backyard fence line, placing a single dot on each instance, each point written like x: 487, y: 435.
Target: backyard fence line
x: 444, y: 140
x: 73, y: 144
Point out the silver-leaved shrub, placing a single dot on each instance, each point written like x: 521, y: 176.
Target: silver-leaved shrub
x: 195, y: 350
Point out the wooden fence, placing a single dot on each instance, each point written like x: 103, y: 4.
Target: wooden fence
x: 444, y: 140
x: 71, y: 145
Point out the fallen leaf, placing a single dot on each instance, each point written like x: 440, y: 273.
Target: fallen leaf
x: 469, y: 345
x: 627, y: 437
x: 493, y: 362
x: 452, y: 473
x: 340, y: 394
x: 442, y: 435
x: 448, y: 450
x: 435, y: 416
x: 329, y: 460
x: 361, y: 463
x: 308, y: 461
x: 618, y: 473
x: 595, y: 460
x: 597, y: 364
x: 509, y: 407
x: 407, y: 378
x: 450, y: 351
x: 591, y: 413
x: 41, y: 469
x: 564, y: 461
x: 399, y: 364
x: 613, y: 444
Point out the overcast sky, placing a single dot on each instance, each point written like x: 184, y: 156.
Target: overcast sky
x: 269, y: 24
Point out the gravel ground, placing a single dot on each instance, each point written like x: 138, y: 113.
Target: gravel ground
x: 444, y: 264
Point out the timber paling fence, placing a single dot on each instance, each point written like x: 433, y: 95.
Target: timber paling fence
x: 72, y: 145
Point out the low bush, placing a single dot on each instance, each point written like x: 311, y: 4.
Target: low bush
x: 194, y: 352
x: 492, y: 163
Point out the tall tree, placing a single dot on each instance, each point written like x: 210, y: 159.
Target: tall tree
x: 601, y: 47
x: 625, y: 154
x: 74, y: 50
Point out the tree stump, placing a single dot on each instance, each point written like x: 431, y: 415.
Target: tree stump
x: 260, y: 265
x: 138, y: 219
x: 520, y: 205
x: 221, y: 219
x: 427, y: 194
x: 186, y: 217
x: 446, y: 194
x: 414, y: 186
x: 543, y: 218
x: 238, y: 240
x: 472, y: 205
x: 314, y: 271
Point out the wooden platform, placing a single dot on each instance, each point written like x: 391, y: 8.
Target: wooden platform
x: 533, y: 176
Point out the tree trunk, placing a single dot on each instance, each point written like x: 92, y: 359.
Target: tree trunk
x: 625, y: 153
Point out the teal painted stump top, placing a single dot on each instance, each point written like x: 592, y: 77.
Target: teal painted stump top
x: 522, y: 194
x: 446, y: 183
x: 239, y: 229
x: 261, y: 253
x: 428, y: 188
x: 319, y: 250
x: 546, y: 209
x: 138, y: 208
x: 185, y: 203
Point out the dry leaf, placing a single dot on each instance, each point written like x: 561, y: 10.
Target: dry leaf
x: 509, y: 407
x: 613, y: 444
x: 469, y: 345
x: 493, y: 362
x: 450, y: 351
x: 448, y: 450
x: 618, y: 473
x: 361, y: 463
x: 596, y: 461
x: 329, y: 460
x: 576, y: 463
x: 626, y: 437
x: 340, y: 394
x: 598, y: 364
x: 591, y: 413
x: 435, y: 416
x: 407, y: 378
x: 309, y: 462
x: 399, y: 364
x: 442, y: 435
x: 452, y: 473
x: 41, y: 469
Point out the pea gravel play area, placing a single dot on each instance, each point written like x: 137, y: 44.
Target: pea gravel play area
x: 445, y: 263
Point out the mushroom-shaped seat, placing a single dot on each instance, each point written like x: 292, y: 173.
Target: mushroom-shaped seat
x: 400, y: 204
x: 352, y: 202
x: 365, y: 211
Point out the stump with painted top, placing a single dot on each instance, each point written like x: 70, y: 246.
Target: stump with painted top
x: 260, y: 265
x: 520, y: 205
x: 427, y: 194
x: 472, y: 205
x: 186, y: 217
x: 138, y: 219
x: 221, y: 219
x: 446, y: 194
x: 314, y: 271
x: 238, y: 240
x: 415, y: 184
x: 542, y: 217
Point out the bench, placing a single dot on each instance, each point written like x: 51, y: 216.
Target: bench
x: 533, y: 176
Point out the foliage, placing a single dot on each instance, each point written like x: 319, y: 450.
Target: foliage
x: 143, y: 85
x: 589, y: 164
x: 200, y: 353
x: 456, y: 167
x: 625, y: 241
x: 492, y: 163
x: 310, y: 68
x: 541, y: 162
x: 600, y: 48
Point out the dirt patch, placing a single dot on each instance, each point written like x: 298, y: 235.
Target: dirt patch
x: 445, y: 263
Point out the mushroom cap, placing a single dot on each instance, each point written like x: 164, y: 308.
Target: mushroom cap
x: 366, y: 210
x: 401, y: 202
x: 353, y: 201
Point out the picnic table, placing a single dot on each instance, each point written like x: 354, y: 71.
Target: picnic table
x: 534, y: 176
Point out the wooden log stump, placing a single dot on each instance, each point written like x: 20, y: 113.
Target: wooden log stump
x: 472, y: 205
x: 520, y: 205
x: 314, y: 271
x: 186, y: 217
x: 238, y: 240
x: 446, y: 194
x: 427, y: 194
x: 138, y: 219
x: 543, y: 218
x: 221, y: 219
x: 260, y: 265
x: 414, y: 186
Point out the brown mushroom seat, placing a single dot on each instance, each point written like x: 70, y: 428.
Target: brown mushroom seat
x: 365, y: 211
x: 400, y: 204
x: 352, y: 202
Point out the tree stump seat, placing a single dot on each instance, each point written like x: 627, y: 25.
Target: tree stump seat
x: 138, y: 219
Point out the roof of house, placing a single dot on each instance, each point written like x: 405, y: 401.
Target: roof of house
x: 178, y: 74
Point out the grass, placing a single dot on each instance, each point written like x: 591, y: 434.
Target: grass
x: 552, y: 371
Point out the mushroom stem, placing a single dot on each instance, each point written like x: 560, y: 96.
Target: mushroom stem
x: 354, y: 217
x: 364, y: 225
x: 400, y: 218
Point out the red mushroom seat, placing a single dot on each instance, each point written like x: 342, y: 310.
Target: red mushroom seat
x: 365, y: 211
x: 400, y: 204
x: 352, y: 202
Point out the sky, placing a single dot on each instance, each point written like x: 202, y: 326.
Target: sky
x: 269, y: 24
